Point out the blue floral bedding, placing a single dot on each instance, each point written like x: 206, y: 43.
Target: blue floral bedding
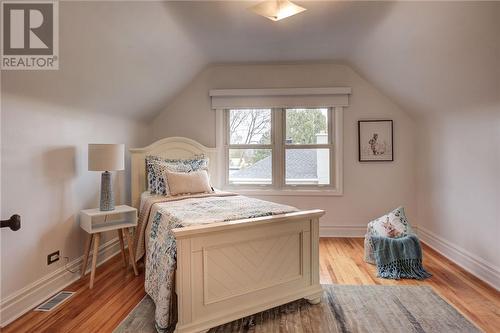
x: 161, y: 248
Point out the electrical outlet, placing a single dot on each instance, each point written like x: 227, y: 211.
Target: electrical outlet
x: 53, y: 257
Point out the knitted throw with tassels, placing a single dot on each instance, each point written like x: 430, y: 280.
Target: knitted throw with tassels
x: 399, y: 258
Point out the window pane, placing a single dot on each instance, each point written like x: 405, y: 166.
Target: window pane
x: 250, y: 166
x: 307, y: 166
x: 250, y: 126
x: 306, y: 126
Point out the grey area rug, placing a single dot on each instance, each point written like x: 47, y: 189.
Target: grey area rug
x: 343, y: 309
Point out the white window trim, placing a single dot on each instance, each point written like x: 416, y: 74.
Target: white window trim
x: 336, y: 98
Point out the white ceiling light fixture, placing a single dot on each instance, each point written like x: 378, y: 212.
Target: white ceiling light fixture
x: 276, y: 10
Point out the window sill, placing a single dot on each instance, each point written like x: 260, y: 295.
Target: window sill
x: 287, y: 192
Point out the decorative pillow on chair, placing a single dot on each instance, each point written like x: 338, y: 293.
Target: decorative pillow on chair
x: 190, y: 182
x: 392, y: 225
x: 157, y: 166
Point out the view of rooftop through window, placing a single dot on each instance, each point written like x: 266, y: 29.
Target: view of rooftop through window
x: 250, y: 127
x: 251, y: 147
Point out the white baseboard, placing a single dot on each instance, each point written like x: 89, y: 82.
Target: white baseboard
x: 25, y: 299
x: 342, y: 231
x: 463, y: 258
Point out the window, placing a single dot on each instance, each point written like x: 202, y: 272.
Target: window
x: 250, y: 146
x: 279, y: 148
x: 266, y: 146
x: 307, y: 146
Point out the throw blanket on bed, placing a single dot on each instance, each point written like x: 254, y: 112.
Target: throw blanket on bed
x: 162, y: 252
x: 146, y: 208
x: 398, y: 258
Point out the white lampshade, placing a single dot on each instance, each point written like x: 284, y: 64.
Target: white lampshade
x: 106, y: 157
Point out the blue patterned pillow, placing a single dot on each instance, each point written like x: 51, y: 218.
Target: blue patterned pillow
x: 156, y: 167
x: 198, y: 162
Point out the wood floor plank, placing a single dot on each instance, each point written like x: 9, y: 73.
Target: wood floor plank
x: 117, y: 291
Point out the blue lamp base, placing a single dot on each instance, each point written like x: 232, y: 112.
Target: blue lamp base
x: 107, y: 198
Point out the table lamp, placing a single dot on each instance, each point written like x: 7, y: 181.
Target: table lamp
x: 106, y: 158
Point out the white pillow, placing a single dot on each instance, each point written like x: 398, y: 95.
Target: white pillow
x: 392, y: 225
x: 190, y: 182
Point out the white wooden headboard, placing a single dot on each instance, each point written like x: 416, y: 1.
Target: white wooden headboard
x: 175, y: 148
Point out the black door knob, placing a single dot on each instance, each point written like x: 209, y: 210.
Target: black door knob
x: 14, y: 223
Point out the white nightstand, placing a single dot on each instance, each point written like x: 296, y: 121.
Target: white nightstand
x: 95, y: 221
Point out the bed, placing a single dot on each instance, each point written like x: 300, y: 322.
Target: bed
x: 227, y: 269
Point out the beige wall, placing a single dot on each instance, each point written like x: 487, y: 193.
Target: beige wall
x: 45, y: 180
x: 371, y: 189
x: 459, y: 186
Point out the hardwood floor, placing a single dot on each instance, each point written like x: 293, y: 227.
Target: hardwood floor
x: 117, y: 291
x: 341, y: 261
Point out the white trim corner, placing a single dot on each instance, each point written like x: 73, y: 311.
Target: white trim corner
x: 342, y: 231
x: 476, y: 266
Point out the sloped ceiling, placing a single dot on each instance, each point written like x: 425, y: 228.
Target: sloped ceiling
x: 131, y: 58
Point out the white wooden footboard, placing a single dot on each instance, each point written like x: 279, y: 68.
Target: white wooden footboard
x: 229, y: 270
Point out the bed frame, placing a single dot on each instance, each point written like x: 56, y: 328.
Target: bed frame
x: 230, y: 270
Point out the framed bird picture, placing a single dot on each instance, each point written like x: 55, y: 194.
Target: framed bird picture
x: 375, y: 140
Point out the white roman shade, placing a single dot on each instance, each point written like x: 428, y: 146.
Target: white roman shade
x: 280, y: 98
x: 106, y: 157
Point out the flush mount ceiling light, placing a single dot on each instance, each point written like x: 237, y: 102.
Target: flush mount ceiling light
x: 276, y: 10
